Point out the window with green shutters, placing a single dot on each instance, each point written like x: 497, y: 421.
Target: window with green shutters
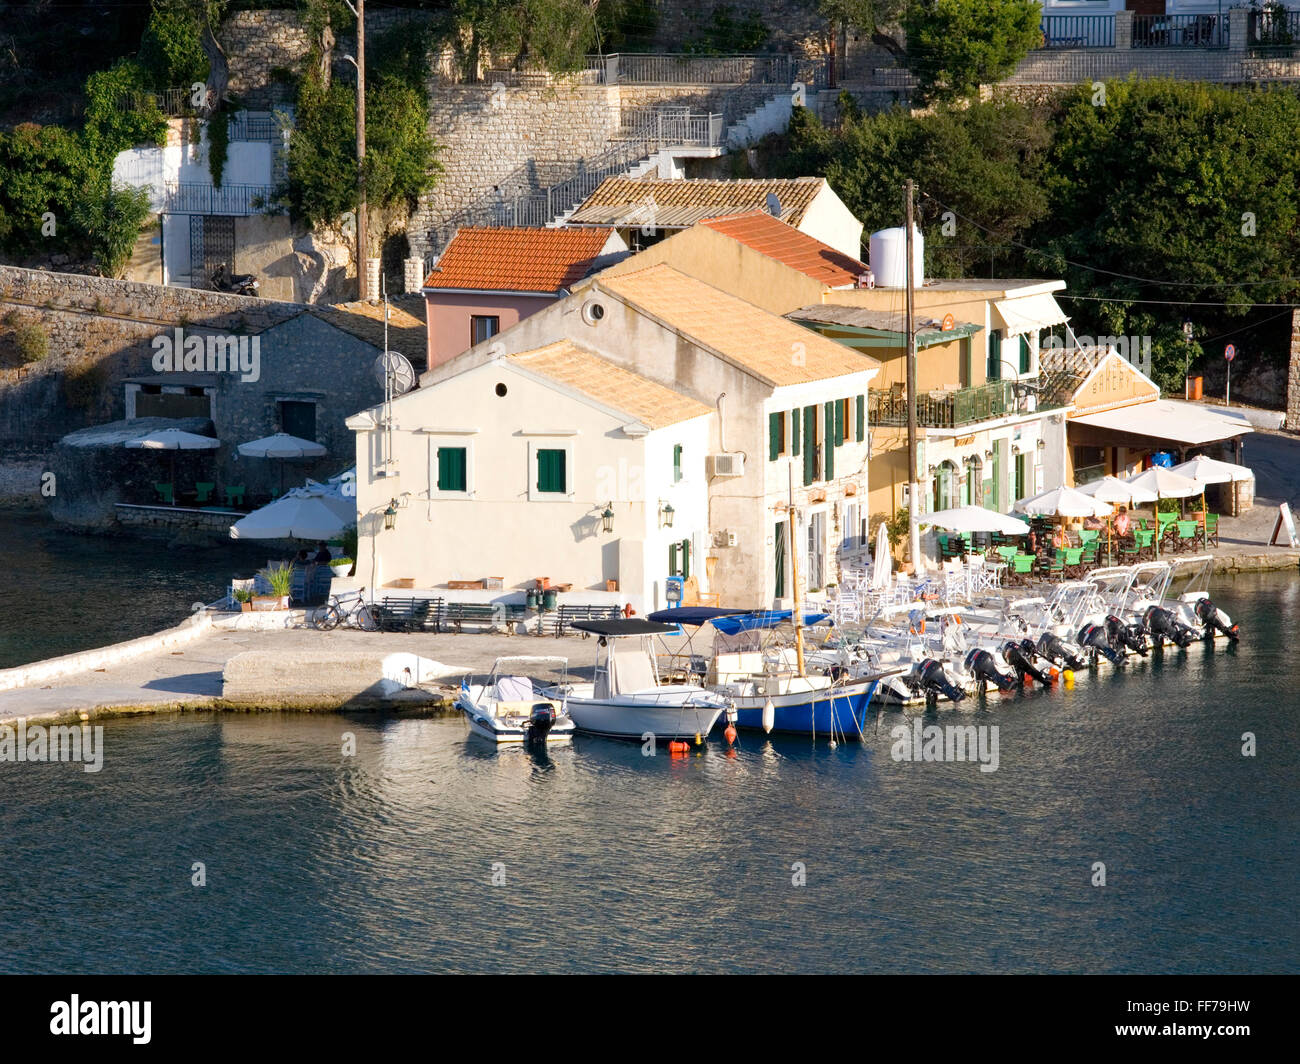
x: 452, y: 469
x: 679, y: 559
x: 993, y: 371
x: 775, y: 425
x: 677, y: 462
x: 794, y: 432
x: 1024, y: 357
x: 840, y: 406
x: 860, y: 429
x: 809, y: 444
x: 829, y: 438
x: 550, y: 470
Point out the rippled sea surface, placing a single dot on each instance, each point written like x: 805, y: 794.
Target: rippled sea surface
x: 384, y: 861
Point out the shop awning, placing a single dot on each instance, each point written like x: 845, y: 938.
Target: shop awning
x: 1183, y: 424
x: 1029, y: 313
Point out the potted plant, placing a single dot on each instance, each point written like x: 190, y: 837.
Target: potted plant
x: 341, y: 566
x: 279, y: 577
x: 245, y: 599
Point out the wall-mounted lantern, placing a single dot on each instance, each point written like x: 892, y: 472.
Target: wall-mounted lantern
x: 607, y: 518
x: 666, y: 514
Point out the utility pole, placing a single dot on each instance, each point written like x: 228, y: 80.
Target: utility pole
x: 914, y: 531
x: 360, y: 63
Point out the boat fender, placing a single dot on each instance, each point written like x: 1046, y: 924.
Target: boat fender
x: 678, y: 747
x: 730, y: 733
x: 769, y: 716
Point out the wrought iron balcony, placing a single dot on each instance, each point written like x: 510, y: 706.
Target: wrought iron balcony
x: 957, y: 407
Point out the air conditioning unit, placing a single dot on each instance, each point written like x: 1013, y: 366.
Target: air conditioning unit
x: 728, y: 464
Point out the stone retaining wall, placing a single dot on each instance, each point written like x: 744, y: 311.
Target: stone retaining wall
x: 1293, y: 377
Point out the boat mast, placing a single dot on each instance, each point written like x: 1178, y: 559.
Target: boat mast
x: 913, y: 489
x: 797, y: 614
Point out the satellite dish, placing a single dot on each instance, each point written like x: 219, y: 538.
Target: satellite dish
x: 394, y: 367
x: 773, y: 205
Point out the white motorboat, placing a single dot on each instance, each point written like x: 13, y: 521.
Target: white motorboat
x: 627, y: 699
x: 511, y: 706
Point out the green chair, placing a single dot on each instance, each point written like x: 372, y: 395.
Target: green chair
x: 1073, y: 560
x: 166, y: 494
x: 1007, y: 553
x: 1211, y: 529
x: 1146, y: 539
x: 235, y: 495
x: 1056, y: 565
x: 1088, y: 536
x: 203, y: 490
x: 1189, y: 535
x: 1022, y: 567
x: 1131, y: 551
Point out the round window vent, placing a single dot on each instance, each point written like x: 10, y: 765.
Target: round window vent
x: 592, y: 311
x: 501, y: 390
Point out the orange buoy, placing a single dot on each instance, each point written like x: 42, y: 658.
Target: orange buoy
x: 730, y: 733
x: 676, y: 747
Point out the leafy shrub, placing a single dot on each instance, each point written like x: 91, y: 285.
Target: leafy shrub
x: 33, y: 342
x: 85, y: 386
x: 170, y: 51
x: 111, y: 222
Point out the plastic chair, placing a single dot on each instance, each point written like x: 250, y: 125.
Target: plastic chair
x: 235, y: 495
x: 203, y: 490
x: 166, y: 494
x: 1212, y: 529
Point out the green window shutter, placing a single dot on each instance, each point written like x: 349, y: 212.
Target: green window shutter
x: 861, y: 428
x: 809, y: 444
x: 677, y: 462
x: 451, y: 469
x: 1024, y: 353
x: 794, y: 432
x: 830, y: 440
x: 839, y: 423
x: 550, y: 470
x: 993, y: 371
x: 686, y: 558
x: 672, y: 560
x: 773, y: 437
x: 779, y: 539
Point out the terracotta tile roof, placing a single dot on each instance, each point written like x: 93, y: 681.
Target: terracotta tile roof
x: 681, y: 203
x: 365, y: 321
x: 784, y: 243
x: 517, y: 259
x: 774, y: 350
x: 584, y: 371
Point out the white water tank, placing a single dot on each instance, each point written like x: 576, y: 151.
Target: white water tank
x: 888, y: 257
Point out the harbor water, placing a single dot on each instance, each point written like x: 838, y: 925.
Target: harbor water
x: 258, y: 843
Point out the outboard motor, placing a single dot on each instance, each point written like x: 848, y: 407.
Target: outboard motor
x: 934, y: 680
x: 985, y: 667
x: 540, y: 722
x: 1215, y: 620
x: 1023, y: 662
x: 1051, y: 648
x: 1095, y: 636
x: 1125, y: 636
x: 1164, y: 625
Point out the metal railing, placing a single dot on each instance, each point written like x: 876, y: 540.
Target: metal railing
x: 174, y: 103
x: 629, y: 68
x: 1078, y: 31
x: 1179, y: 31
x: 1274, y: 32
x: 187, y: 197
x: 511, y: 205
x: 255, y: 125
x: 947, y: 410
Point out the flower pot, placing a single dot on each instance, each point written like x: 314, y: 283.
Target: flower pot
x: 270, y: 602
x: 246, y: 607
x: 342, y: 570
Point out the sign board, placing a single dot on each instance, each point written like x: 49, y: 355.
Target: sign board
x: 949, y: 322
x: 1230, y: 352
x: 1284, y: 518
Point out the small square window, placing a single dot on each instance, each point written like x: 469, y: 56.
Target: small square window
x: 551, y: 470
x: 483, y: 327
x: 452, y: 469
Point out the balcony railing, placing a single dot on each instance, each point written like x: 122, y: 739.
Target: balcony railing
x: 238, y: 200
x: 680, y: 69
x: 1274, y: 32
x: 952, y: 409
x: 1180, y: 31
x: 1078, y: 31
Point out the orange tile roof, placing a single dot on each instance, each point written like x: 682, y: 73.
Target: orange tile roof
x: 684, y: 201
x: 784, y: 243
x: 517, y: 259
x: 585, y: 371
x: 772, y: 349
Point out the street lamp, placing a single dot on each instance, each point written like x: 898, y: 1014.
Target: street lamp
x: 390, y: 516
x: 607, y: 518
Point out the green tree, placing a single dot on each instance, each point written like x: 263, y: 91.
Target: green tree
x: 955, y: 46
x: 170, y: 49
x: 111, y: 220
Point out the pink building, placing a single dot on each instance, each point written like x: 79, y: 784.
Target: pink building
x: 489, y: 279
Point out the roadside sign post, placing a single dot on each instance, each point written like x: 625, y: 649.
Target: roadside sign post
x: 1229, y: 352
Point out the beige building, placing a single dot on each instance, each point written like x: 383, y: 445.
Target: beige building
x: 644, y: 391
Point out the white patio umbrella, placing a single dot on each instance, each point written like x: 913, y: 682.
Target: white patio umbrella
x: 1063, y: 502
x: 301, y: 514
x: 173, y: 440
x: 282, y: 446
x: 1167, y: 485
x: 882, y: 564
x: 1118, y: 492
x: 975, y: 519
x: 1207, y: 470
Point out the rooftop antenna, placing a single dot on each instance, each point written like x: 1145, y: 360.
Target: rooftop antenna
x: 773, y: 205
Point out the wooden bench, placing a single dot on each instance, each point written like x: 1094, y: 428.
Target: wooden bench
x: 492, y: 614
x: 405, y: 614
x: 561, y: 619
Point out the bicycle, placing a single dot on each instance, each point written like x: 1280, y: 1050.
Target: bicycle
x: 348, y: 609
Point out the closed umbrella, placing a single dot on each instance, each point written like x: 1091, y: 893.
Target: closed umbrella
x: 882, y: 563
x: 282, y: 446
x: 301, y: 514
x: 173, y: 440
